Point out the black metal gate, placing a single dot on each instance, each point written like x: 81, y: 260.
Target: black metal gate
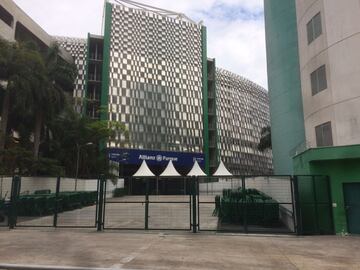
x: 149, y: 211
x: 51, y: 202
x: 314, y: 205
x: 247, y: 204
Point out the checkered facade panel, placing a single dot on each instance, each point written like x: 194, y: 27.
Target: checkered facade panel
x: 155, y: 83
x: 242, y: 111
x: 77, y: 47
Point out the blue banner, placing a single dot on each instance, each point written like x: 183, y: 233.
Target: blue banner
x: 136, y: 156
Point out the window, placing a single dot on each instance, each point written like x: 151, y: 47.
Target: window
x: 6, y: 17
x: 318, y: 80
x: 314, y: 28
x: 324, y: 135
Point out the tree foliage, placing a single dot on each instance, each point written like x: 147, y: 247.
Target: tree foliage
x: 265, y: 139
x: 42, y: 134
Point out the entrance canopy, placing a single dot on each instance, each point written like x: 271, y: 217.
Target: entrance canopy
x: 222, y: 171
x: 143, y: 171
x: 170, y: 170
x: 196, y: 170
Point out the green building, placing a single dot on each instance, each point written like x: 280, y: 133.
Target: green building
x: 313, y: 66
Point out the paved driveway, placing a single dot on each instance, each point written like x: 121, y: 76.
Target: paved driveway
x: 129, y: 250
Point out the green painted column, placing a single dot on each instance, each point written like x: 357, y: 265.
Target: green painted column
x: 104, y: 98
x: 286, y: 109
x: 106, y: 63
x: 205, y: 99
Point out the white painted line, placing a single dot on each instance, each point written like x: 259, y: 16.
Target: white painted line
x: 5, y: 266
x: 45, y: 267
x: 135, y: 254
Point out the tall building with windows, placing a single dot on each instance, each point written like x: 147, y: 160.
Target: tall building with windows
x: 77, y: 47
x: 150, y: 70
x: 313, y: 65
x: 151, y: 80
x: 243, y: 110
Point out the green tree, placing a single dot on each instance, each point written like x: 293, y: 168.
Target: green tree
x: 85, y: 133
x: 265, y: 139
x: 21, y: 71
x: 50, y: 99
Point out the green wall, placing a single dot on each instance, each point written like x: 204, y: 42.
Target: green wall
x: 341, y: 164
x: 286, y: 111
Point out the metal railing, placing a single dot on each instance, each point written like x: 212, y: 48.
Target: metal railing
x: 248, y: 204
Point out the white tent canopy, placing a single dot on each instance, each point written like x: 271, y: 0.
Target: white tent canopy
x: 196, y: 170
x: 170, y: 170
x: 222, y: 171
x: 143, y: 171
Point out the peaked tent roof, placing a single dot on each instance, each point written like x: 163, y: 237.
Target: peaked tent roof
x: 222, y: 171
x: 170, y: 170
x: 143, y: 171
x: 196, y: 170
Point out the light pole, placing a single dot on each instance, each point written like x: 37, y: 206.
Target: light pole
x: 77, y: 160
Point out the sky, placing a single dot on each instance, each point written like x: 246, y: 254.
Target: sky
x: 235, y: 28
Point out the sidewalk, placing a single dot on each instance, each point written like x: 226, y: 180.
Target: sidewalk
x: 175, y: 251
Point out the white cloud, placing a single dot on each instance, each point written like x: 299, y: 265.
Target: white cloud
x: 236, y: 36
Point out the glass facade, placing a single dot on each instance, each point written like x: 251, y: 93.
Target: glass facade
x: 155, y: 69
x: 155, y: 83
x: 242, y: 111
x: 77, y: 48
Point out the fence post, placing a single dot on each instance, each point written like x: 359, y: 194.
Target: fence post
x: 318, y: 231
x: 56, y: 201
x: 330, y: 201
x: 198, y: 202
x: 244, y: 200
x: 293, y: 202
x: 147, y: 204
x: 101, y: 202
x: 297, y: 206
x: 15, y: 191
x: 194, y: 204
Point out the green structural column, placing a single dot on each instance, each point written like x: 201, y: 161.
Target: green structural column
x: 105, y: 68
x: 106, y: 63
x: 286, y: 109
x: 205, y: 99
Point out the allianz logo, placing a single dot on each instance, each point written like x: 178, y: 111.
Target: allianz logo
x: 158, y: 158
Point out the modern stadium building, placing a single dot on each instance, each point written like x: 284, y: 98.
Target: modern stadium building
x: 150, y: 70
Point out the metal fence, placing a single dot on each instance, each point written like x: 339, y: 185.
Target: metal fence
x: 314, y: 205
x: 49, y: 202
x: 248, y: 204
x: 149, y: 210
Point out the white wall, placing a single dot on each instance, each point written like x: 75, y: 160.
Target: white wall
x: 20, y: 16
x: 338, y: 48
x: 30, y: 184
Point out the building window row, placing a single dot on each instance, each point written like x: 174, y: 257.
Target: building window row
x: 314, y: 28
x: 6, y: 17
x: 324, y: 135
x: 318, y: 80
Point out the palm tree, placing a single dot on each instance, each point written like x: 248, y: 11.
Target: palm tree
x: 6, y: 53
x: 50, y: 99
x: 21, y: 71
